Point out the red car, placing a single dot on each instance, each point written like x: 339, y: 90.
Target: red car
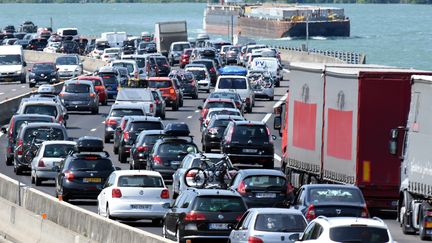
x: 184, y: 58
x: 99, y: 87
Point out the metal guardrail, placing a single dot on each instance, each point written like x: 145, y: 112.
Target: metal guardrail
x: 346, y: 57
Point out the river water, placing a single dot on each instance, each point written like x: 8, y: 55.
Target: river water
x: 389, y: 34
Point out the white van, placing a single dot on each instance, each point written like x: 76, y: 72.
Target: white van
x: 12, y: 64
x: 269, y: 64
x: 115, y: 39
x: 238, y: 84
x: 67, y: 32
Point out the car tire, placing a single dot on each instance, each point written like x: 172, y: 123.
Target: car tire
x: 38, y: 181
x: 122, y: 158
x: 115, y: 149
x: 163, y: 116
x: 271, y: 98
x: 107, y: 213
x: 277, y: 84
x: 164, y: 234
x: 106, y: 139
x: 18, y: 171
x: 31, y: 85
x: 9, y: 161
x: 95, y: 111
x: 32, y: 179
x: 181, y: 102
x: 157, y: 222
x: 195, y: 96
x: 208, y: 91
x: 23, y: 80
x: 249, y: 109
x: 175, y: 107
x: 105, y: 102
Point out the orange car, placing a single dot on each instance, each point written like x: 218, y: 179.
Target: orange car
x: 169, y: 90
x: 99, y: 87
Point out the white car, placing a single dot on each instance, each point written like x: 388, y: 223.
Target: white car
x: 49, y: 155
x: 239, y: 84
x: 134, y: 195
x: 346, y: 229
x: 131, y: 65
x: 69, y: 66
x: 111, y: 54
x: 52, y: 47
x: 202, y: 76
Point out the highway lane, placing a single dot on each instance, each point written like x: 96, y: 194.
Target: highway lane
x: 82, y: 123
x: 12, y: 89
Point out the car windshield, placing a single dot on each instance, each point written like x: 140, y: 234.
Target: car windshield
x: 139, y: 181
x: 144, y: 45
x: 255, y: 133
x: 43, y: 134
x: 49, y: 110
x: 111, y: 51
x: 126, y: 112
x: 67, y: 61
x: 10, y: 59
x: 159, y: 84
x: 264, y: 182
x: 329, y: 195
x: 280, y: 222
x: 232, y: 83
x: 361, y: 234
x: 219, y: 104
x: 134, y: 95
x: 219, y: 123
x: 219, y: 204
x: 177, y: 148
x: 145, y: 125
x: 180, y: 47
x: 198, y: 74
x: 77, y: 88
x: 58, y: 150
x: 109, y: 78
x: 91, y: 164
x: 41, y: 67
x: 187, y: 78
x: 140, y: 61
x: 129, y: 66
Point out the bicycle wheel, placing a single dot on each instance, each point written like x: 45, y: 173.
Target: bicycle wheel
x: 195, y: 177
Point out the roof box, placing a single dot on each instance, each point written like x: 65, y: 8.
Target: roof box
x: 90, y: 144
x: 233, y: 70
x: 177, y: 129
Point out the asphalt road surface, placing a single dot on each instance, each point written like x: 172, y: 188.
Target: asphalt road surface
x: 83, y: 123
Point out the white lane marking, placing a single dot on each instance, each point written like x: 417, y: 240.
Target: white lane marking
x: 267, y: 116
x: 281, y: 100
x: 1, y: 134
x: 13, y: 89
x: 103, y: 122
x: 197, y: 111
x: 277, y: 157
x: 94, y: 129
x: 189, y: 117
x: 23, y: 86
x: 286, y: 70
x: 1, y: 93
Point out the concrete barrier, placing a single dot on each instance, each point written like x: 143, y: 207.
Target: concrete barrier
x: 296, y: 56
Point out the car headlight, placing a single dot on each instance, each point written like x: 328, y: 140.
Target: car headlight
x: 77, y: 69
x: 18, y: 72
x: 53, y: 73
x: 31, y: 74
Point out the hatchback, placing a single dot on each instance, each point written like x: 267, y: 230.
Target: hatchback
x: 213, y: 132
x: 80, y: 95
x: 43, y: 73
x: 99, y: 86
x: 141, y: 148
x: 117, y: 112
x: 169, y: 89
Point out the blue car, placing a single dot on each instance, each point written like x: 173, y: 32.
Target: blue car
x: 110, y: 77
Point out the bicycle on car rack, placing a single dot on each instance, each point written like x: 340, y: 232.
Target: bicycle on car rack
x: 209, y: 176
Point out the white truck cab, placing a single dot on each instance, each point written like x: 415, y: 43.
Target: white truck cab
x: 12, y: 64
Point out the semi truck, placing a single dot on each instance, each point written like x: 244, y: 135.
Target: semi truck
x: 411, y: 143
x: 335, y: 125
x: 169, y: 32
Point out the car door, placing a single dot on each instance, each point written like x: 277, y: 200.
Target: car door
x: 299, y: 202
x: 171, y: 217
x: 241, y: 233
x: 105, y: 194
x: 178, y: 175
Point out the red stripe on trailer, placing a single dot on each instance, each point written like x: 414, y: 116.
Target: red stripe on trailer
x: 339, y: 134
x: 304, y: 126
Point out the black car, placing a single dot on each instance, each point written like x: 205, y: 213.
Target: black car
x: 37, y: 44
x: 29, y: 138
x: 248, y: 143
x: 141, y: 148
x: 133, y: 127
x: 189, y: 85
x: 117, y: 112
x: 69, y: 47
x: 203, y: 214
x: 261, y: 187
x: 331, y: 201
x: 213, y: 132
x: 160, y: 65
x: 15, y: 123
x: 84, y: 172
x: 43, y: 73
x: 211, y: 68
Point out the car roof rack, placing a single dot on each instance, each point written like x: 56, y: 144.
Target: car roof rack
x: 166, y: 137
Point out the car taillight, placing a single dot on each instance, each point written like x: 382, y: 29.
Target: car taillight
x: 157, y: 160
x: 248, y: 101
x: 253, y: 239
x: 164, y: 194
x: 92, y: 94
x: 193, y: 83
x: 364, y: 213
x: 191, y: 174
x: 116, y: 193
x: 212, y: 70
x: 151, y: 108
x: 106, y: 56
x: 41, y: 163
x: 310, y: 213
x: 204, y: 113
x: 172, y: 91
x: 207, y: 122
x: 11, y: 127
x: 60, y: 119
x: 69, y: 175
x: 241, y: 188
x: 193, y: 216
x: 239, y: 217
x: 157, y: 102
x: 125, y: 135
x: 61, y: 94
x: 213, y: 131
x: 238, y: 105
x: 142, y: 149
x: 111, y: 122
x: 20, y: 147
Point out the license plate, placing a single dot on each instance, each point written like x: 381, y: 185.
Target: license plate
x: 250, y: 150
x: 76, y: 102
x: 265, y: 195
x: 141, y: 206
x: 92, y: 180
x: 176, y: 163
x: 218, y: 226
x: 428, y: 232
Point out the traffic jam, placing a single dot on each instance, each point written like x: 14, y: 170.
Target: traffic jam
x: 223, y: 185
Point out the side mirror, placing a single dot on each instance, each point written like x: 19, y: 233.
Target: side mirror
x: 24, y: 64
x: 273, y: 137
x: 294, y: 237
x: 117, y: 168
x: 277, y: 122
x: 141, y: 71
x: 66, y: 116
x: 185, y: 205
x: 200, y: 107
x: 393, y: 141
x: 4, y: 130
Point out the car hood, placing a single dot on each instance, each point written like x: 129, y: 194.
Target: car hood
x: 67, y: 67
x: 10, y: 68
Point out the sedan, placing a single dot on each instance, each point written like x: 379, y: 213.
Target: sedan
x: 134, y: 195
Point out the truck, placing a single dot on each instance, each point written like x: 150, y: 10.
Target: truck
x: 169, y: 32
x: 335, y: 123
x: 114, y: 39
x: 411, y: 143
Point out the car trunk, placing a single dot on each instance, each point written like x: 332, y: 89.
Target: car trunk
x: 218, y: 221
x: 338, y: 210
x: 142, y: 194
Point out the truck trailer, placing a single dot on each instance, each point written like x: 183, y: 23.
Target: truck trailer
x: 169, y: 32
x: 335, y: 124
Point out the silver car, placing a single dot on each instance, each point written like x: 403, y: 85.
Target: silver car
x: 80, y: 95
x: 262, y: 84
x: 269, y: 225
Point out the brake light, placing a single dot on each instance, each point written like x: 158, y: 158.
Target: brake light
x: 193, y: 216
x: 241, y: 188
x: 20, y: 147
x: 253, y: 239
x: 111, y: 122
x: 207, y: 122
x: 172, y: 91
x: 212, y: 70
x: 92, y: 95
x: 164, y: 194
x: 61, y: 94
x: 151, y: 108
x: 310, y: 213
x: 116, y: 193
x: 157, y: 160
x: 41, y: 163
x: 69, y: 175
x: 193, y: 83
x: 142, y: 149
x: 191, y: 174
x: 60, y: 119
x: 106, y: 56
x: 364, y: 213
x: 157, y: 102
x: 125, y: 136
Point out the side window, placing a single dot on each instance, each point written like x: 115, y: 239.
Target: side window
x: 300, y: 197
x: 317, y: 231
x: 110, y: 181
x: 179, y: 200
x: 247, y: 221
x: 240, y: 223
x: 187, y: 201
x: 185, y: 162
x: 308, y: 231
x: 236, y: 179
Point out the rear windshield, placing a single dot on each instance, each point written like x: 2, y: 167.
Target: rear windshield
x: 141, y: 126
x: 362, y: 234
x: 328, y: 195
x: 58, y: 150
x: 43, y: 134
x: 96, y: 82
x: 10, y: 59
x: 134, y: 95
x: 219, y: 123
x: 224, y: 95
x: 198, y: 74
x: 219, y: 104
x: 267, y: 182
x: 176, y: 148
x: 109, y: 78
x: 180, y: 47
x: 151, y: 139
x: 139, y: 181
x: 126, y: 112
x: 129, y: 66
x: 223, y: 112
x: 245, y: 133
x: 70, y: 32
x: 280, y: 223
x: 219, y: 204
x: 206, y: 63
x: 77, y: 88
x: 232, y: 83
x: 91, y: 165
x: 49, y: 110
x: 140, y: 61
x: 159, y: 84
